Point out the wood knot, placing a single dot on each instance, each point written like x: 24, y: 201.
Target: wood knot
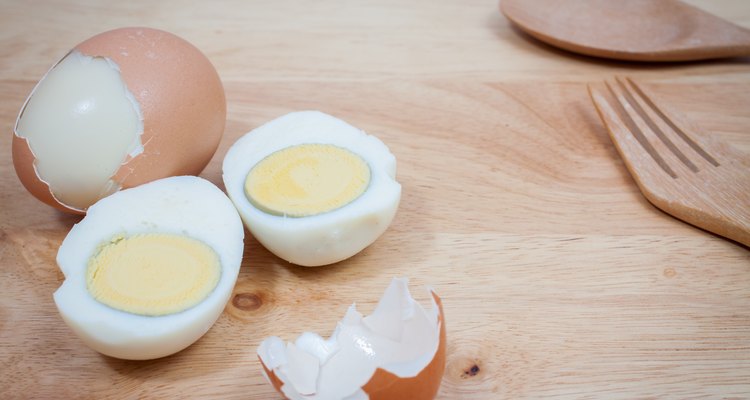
x: 471, y: 371
x: 670, y: 273
x: 247, y: 301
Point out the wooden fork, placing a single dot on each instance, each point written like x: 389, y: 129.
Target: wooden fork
x: 678, y: 168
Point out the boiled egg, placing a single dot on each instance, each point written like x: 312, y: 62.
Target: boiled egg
x: 311, y: 188
x: 120, y: 109
x: 397, y: 352
x: 149, y: 269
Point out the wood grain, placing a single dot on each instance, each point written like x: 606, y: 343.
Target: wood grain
x: 558, y: 278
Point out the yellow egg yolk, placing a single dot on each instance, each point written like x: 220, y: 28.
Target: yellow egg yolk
x: 307, y: 179
x: 153, y: 274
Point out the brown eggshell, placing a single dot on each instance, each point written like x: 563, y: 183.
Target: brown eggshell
x: 23, y: 162
x: 181, y: 99
x: 275, y: 381
x: 384, y: 385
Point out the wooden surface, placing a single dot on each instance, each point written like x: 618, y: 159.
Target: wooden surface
x: 558, y: 278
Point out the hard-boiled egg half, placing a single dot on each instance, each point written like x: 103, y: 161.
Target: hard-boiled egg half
x: 122, y: 108
x: 149, y: 269
x: 397, y: 352
x: 311, y: 188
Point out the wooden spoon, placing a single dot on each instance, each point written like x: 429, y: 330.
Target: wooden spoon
x: 636, y: 30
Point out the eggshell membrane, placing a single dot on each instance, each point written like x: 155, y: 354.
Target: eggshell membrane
x: 385, y: 385
x: 181, y: 99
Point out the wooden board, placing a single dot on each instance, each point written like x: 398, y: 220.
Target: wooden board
x: 558, y: 278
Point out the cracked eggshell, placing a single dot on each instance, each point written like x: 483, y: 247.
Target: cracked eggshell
x: 397, y: 352
x: 179, y: 98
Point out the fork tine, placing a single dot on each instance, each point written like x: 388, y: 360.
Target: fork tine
x: 656, y: 142
x: 670, y: 121
x: 635, y: 156
x: 652, y: 124
x: 621, y: 109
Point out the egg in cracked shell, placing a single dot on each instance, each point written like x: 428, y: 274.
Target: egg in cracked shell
x: 397, y: 352
x: 149, y: 269
x: 122, y: 108
x: 311, y: 188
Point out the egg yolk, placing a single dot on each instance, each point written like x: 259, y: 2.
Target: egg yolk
x: 153, y: 274
x: 307, y: 179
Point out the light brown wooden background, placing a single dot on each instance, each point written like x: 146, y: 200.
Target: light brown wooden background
x: 558, y: 277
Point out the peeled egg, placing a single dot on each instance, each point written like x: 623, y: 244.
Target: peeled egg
x: 311, y: 188
x: 397, y: 352
x: 122, y: 108
x: 149, y: 269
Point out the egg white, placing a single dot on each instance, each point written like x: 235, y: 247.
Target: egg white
x: 184, y: 205
x: 328, y: 237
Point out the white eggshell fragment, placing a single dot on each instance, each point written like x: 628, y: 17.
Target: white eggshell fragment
x: 397, y: 352
x: 184, y: 205
x: 327, y: 237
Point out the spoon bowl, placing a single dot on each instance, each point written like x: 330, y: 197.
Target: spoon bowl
x: 634, y: 30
